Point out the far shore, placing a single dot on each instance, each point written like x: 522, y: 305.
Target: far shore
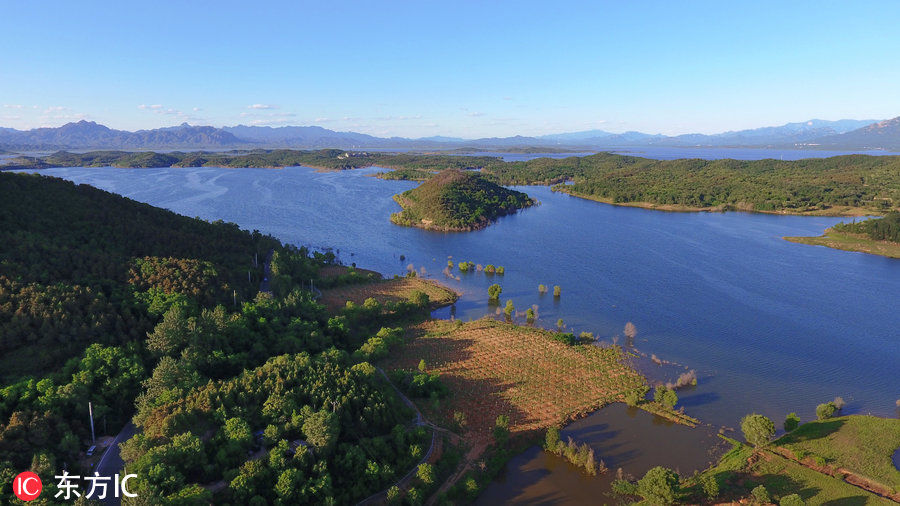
x: 835, y: 211
x: 850, y: 242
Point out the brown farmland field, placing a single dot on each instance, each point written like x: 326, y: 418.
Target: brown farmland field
x: 494, y: 368
x: 390, y: 290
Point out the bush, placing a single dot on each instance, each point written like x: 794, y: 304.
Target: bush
x: 665, y: 396
x: 560, y: 324
x: 825, y: 411
x: 489, y: 269
x: 791, y: 500
x: 509, y: 309
x: 460, y: 419
x: 710, y: 486
x: 839, y: 403
x: 501, y: 270
x: 636, y: 396
x: 501, y: 430
x: 494, y: 292
x: 791, y: 422
x: 529, y: 315
x: 624, y: 487
x: 760, y: 495
x: 757, y: 429
x: 393, y: 495
x: 542, y: 289
x: 557, y: 291
x: 659, y: 486
x: 425, y: 472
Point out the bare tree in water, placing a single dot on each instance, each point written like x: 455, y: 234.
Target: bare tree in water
x: 630, y: 334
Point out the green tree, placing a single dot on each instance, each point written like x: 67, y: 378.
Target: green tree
x: 530, y: 315
x: 551, y: 439
x: 825, y: 411
x: 710, y: 486
x: 637, y: 395
x: 757, y: 429
x: 659, y: 486
x: 422, y: 366
x: 509, y: 309
x: 665, y: 396
x: 321, y: 429
x: 791, y: 422
x: 425, y: 472
x: 494, y: 292
x: 760, y: 495
x: 557, y: 291
x: 560, y: 324
x: 791, y: 500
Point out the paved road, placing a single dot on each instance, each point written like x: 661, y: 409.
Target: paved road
x: 111, y: 462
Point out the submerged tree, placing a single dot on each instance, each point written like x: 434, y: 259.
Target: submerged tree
x: 509, y: 309
x: 494, y: 292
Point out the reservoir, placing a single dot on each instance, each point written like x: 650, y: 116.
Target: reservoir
x: 769, y: 326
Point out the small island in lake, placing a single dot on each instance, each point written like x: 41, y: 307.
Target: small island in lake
x: 877, y: 236
x: 455, y: 201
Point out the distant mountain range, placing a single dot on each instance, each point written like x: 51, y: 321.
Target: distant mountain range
x: 813, y: 134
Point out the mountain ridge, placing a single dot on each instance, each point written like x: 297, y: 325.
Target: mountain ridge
x: 811, y: 134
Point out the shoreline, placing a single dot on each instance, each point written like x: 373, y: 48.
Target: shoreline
x: 835, y: 212
x: 849, y: 242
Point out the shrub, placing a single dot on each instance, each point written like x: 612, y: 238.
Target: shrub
x: 825, y: 411
x: 422, y: 366
x: 450, y: 264
x: 684, y: 379
x: 509, y: 309
x: 665, y: 396
x: 791, y: 500
x: 529, y: 315
x: 500, y: 270
x: 393, y: 495
x: 542, y: 289
x: 494, y: 292
x: 710, y: 486
x: 760, y: 495
x: 551, y: 440
x: 791, y: 422
x: 659, y: 486
x: 757, y: 429
x: 624, y: 487
x: 586, y: 337
x: 501, y: 430
x: 460, y: 418
x: 425, y: 473
x: 637, y: 395
x: 489, y: 269
x: 557, y: 291
x: 560, y: 324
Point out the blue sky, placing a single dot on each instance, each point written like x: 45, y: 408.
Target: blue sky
x: 466, y: 69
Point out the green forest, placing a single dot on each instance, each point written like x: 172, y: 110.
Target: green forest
x: 820, y: 185
x: 240, y: 396
x: 879, y: 229
x: 456, y: 200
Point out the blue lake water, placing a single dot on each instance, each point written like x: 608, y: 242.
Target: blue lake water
x: 770, y: 326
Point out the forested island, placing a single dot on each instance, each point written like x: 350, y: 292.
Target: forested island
x: 878, y: 236
x: 850, y: 185
x: 454, y: 200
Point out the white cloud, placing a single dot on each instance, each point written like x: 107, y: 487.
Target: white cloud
x: 475, y: 114
x: 262, y: 106
x: 152, y: 107
x: 55, y: 108
x: 196, y: 109
x: 13, y: 106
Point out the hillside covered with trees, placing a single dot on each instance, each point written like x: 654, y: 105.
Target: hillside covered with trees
x: 841, y: 185
x: 455, y: 200
x: 238, y: 396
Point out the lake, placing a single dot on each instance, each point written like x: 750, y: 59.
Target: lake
x: 770, y: 326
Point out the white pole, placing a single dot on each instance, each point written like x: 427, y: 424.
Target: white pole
x: 91, y: 413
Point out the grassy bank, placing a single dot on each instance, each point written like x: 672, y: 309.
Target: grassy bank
x: 385, y: 291
x: 851, y: 242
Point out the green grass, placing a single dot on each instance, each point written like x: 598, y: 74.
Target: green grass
x: 851, y: 242
x: 781, y: 477
x: 862, y: 444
